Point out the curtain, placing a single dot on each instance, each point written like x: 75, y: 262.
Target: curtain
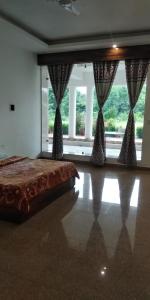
x: 104, y: 73
x: 59, y: 76
x: 136, y: 71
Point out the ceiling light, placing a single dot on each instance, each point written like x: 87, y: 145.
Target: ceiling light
x: 102, y: 273
x: 115, y: 46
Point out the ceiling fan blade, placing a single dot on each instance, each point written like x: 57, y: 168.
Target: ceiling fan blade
x: 71, y: 8
x: 67, y: 5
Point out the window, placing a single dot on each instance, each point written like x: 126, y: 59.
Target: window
x: 79, y: 110
x: 116, y: 110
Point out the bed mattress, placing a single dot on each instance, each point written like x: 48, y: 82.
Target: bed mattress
x: 22, y: 179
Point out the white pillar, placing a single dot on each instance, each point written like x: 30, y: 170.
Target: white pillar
x: 44, y: 111
x: 72, y: 112
x: 89, y: 113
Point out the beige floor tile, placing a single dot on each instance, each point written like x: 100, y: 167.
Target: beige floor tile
x: 90, y: 245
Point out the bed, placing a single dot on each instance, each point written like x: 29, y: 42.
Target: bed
x: 27, y: 185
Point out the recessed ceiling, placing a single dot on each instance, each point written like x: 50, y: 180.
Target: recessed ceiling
x: 49, y: 22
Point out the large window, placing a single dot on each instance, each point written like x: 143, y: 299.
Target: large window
x: 116, y: 110
x: 79, y: 110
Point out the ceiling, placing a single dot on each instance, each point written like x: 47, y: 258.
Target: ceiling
x: 14, y: 36
x: 99, y: 20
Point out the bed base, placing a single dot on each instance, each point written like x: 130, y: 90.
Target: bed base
x: 38, y: 203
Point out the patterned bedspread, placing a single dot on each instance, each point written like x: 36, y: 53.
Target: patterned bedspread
x: 21, y: 179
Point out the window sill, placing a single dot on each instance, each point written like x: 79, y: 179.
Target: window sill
x: 81, y: 151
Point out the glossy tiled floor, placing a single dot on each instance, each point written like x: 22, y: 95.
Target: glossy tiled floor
x: 90, y: 244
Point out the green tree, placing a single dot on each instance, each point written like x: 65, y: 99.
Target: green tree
x: 116, y: 109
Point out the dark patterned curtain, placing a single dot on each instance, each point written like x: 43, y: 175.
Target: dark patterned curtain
x: 59, y: 76
x: 136, y: 71
x: 104, y: 73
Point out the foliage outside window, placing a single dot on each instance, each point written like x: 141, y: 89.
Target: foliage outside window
x: 116, y: 111
x: 80, y: 112
x: 64, y: 111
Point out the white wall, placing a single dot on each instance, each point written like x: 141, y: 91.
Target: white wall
x: 19, y: 85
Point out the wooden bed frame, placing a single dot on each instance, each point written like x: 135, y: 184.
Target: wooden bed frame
x: 37, y: 203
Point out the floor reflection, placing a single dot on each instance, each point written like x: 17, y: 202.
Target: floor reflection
x: 91, y: 243
x: 103, y: 226
x: 110, y: 192
x: 110, y: 189
x: 110, y: 202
